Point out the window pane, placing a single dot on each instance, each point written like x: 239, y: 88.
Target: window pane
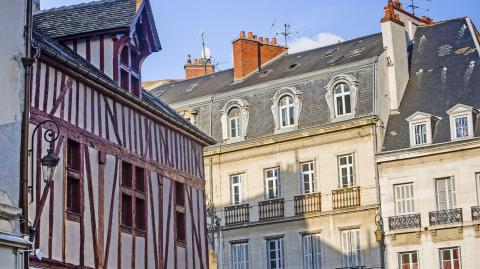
x: 339, y: 105
x: 348, y: 108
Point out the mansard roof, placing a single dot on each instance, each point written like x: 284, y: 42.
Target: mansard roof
x: 444, y: 71
x: 71, y: 59
x: 92, y: 17
x: 307, y: 61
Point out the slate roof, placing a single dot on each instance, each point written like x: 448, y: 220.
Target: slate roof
x: 447, y: 44
x: 104, y: 15
x: 307, y: 61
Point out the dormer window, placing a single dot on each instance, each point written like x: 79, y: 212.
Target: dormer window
x: 235, y: 120
x: 129, y: 70
x: 341, y: 97
x: 343, y: 104
x: 461, y: 121
x: 287, y: 112
x: 421, y: 130
x: 286, y: 109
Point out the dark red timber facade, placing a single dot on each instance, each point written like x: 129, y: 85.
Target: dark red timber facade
x: 129, y: 189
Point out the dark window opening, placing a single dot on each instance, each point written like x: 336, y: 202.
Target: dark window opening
x: 124, y: 56
x: 135, y: 86
x: 124, y: 80
x: 73, y: 195
x: 133, y: 202
x: 139, y: 179
x: 126, y: 210
x: 179, y: 194
x: 73, y: 155
x: 127, y: 175
x: 180, y: 236
x: 140, y: 214
x: 292, y: 66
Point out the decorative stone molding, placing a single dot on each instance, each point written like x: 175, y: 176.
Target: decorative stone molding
x: 8, y: 210
x: 352, y: 83
x: 297, y: 102
x: 244, y: 117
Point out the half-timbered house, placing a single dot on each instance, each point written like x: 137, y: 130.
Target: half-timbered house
x: 129, y: 188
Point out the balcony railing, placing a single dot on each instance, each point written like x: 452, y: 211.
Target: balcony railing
x: 307, y: 203
x: 404, y: 222
x: 346, y: 197
x: 271, y: 209
x: 476, y: 213
x: 448, y: 216
x: 237, y: 214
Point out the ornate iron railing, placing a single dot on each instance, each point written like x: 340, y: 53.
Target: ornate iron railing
x: 237, y: 214
x: 307, y: 203
x: 346, y: 197
x: 447, y: 216
x: 404, y: 222
x: 476, y: 213
x: 271, y: 209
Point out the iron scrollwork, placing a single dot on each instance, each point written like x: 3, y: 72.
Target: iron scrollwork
x: 404, y: 222
x: 447, y: 216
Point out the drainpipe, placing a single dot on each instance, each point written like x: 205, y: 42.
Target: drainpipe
x: 27, y: 63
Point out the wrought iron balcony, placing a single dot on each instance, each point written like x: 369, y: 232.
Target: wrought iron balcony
x: 307, y: 203
x: 448, y: 216
x: 404, y: 222
x: 346, y: 197
x: 271, y: 209
x: 476, y: 213
x: 237, y: 214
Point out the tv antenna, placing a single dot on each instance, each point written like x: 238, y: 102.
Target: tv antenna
x: 413, y: 6
x: 286, y: 32
x: 202, y: 36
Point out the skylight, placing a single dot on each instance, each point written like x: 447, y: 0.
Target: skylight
x: 191, y: 87
x: 292, y: 66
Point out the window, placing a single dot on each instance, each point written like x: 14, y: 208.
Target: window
x: 351, y: 248
x: 275, y: 253
x: 408, y: 260
x: 73, y: 193
x: 461, y: 127
x: 286, y: 105
x: 236, y: 181
x: 312, y: 252
x: 420, y: 132
x: 446, y: 194
x: 272, y: 183
x: 240, y: 256
x: 342, y: 100
x: 180, y: 232
x: 404, y: 199
x: 234, y: 122
x: 129, y: 70
x: 308, y: 177
x: 450, y: 258
x: 345, y: 171
x: 133, y: 205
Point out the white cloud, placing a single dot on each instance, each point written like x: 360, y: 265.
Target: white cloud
x: 307, y: 43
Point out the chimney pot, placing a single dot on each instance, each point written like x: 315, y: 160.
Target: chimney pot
x: 201, y: 60
x: 266, y: 40
x: 195, y: 61
x: 250, y: 35
x: 260, y: 39
x: 242, y: 34
x: 274, y: 40
x: 255, y: 37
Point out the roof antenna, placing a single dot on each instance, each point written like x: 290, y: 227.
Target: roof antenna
x: 287, y: 32
x: 204, y: 52
x: 413, y: 6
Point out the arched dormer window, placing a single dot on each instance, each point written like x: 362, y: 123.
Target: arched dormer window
x: 235, y: 120
x: 341, y: 97
x: 286, y: 109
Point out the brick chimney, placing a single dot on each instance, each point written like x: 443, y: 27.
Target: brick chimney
x: 251, y: 53
x: 198, y: 68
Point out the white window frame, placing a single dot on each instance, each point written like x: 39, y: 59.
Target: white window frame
x: 277, y: 109
x: 420, y: 133
x: 404, y: 198
x: 419, y: 118
x: 238, y: 186
x: 289, y: 108
x: 330, y: 96
x: 342, y: 95
x: 350, y: 170
x: 240, y: 255
x: 275, y: 179
x: 450, y: 193
x: 410, y: 255
x: 234, y: 127
x: 461, y: 111
x: 307, y: 177
x: 351, y: 248
x: 312, y: 251
x: 278, y: 242
x: 452, y: 260
x: 243, y: 119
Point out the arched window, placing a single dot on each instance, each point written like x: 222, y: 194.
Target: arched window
x: 343, y: 104
x: 234, y: 122
x: 287, y: 111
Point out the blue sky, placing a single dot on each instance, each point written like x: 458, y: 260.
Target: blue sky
x: 319, y: 22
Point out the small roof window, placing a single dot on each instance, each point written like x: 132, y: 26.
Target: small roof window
x: 265, y: 73
x: 330, y: 52
x: 191, y: 87
x: 293, y: 66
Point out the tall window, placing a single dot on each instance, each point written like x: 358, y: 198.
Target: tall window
x: 129, y: 70
x: 312, y: 252
x: 73, y: 179
x: 180, y: 213
x: 408, y: 260
x: 308, y: 177
x: 133, y: 197
x: 287, y: 114
x: 275, y: 253
x: 461, y: 127
x: 345, y: 171
x: 234, y: 122
x: 404, y: 199
x: 236, y: 191
x: 240, y: 256
x: 342, y: 100
x: 351, y: 248
x: 446, y: 193
x: 420, y: 133
x: 272, y: 183
x: 450, y: 258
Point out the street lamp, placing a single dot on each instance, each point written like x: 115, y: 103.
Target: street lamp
x: 379, y: 237
x: 213, y: 223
